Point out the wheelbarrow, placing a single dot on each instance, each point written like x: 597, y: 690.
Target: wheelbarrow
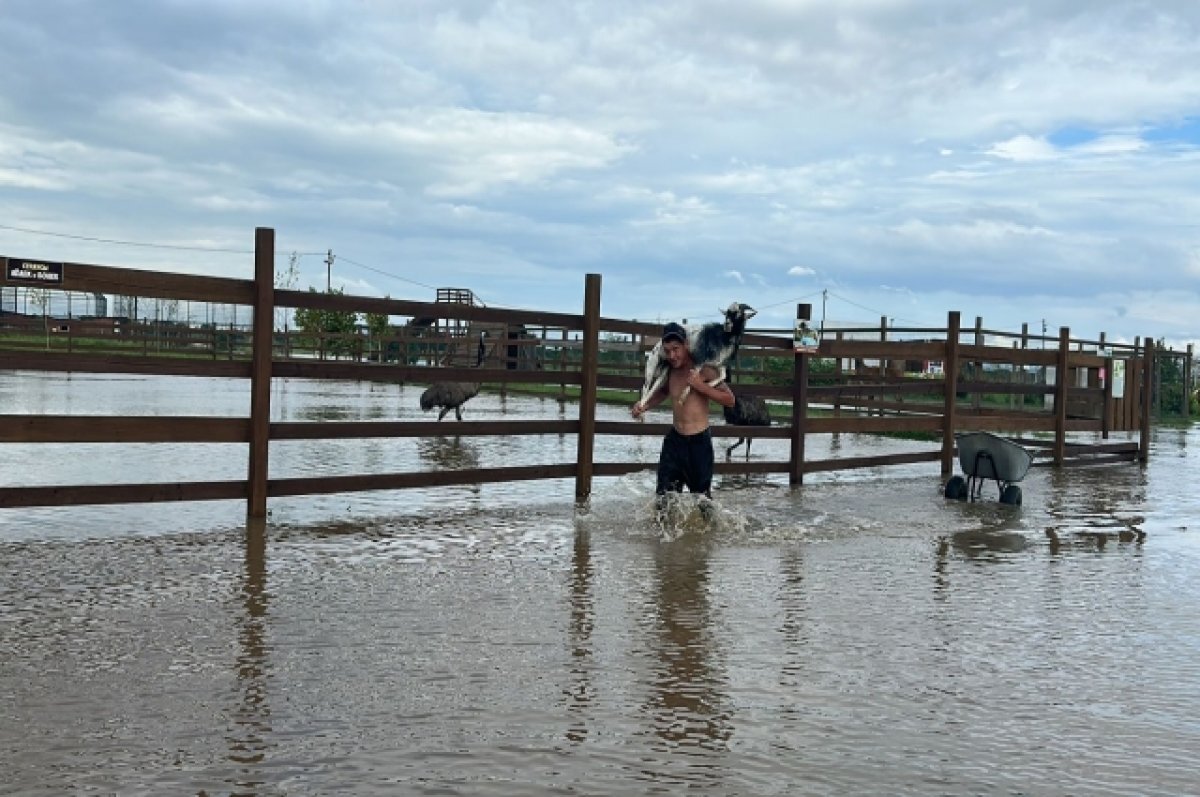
x: 985, y: 456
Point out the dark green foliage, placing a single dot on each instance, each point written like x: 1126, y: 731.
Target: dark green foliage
x: 377, y: 328
x: 1171, y: 397
x: 329, y: 331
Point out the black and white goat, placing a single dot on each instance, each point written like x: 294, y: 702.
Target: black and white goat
x: 712, y: 344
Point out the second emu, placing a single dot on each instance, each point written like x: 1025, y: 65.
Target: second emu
x: 453, y: 395
x: 747, y: 410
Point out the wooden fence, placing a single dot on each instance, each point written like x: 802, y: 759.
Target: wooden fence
x: 981, y: 386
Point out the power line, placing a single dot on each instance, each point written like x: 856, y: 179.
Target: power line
x: 381, y: 272
x: 789, y: 301
x: 872, y: 310
x: 143, y: 244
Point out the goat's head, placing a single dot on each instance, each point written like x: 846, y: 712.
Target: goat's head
x: 736, y: 316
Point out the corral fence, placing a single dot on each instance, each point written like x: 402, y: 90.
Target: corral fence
x: 1064, y: 397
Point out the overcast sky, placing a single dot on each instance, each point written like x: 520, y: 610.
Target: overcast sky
x: 1019, y: 161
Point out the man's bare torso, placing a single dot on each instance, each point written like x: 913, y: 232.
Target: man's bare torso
x: 691, y: 417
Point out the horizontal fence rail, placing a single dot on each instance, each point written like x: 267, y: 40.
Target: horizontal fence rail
x: 929, y: 383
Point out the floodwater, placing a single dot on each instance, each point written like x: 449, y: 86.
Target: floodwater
x: 858, y: 635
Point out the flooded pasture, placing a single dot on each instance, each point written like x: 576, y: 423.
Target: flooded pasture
x: 857, y: 635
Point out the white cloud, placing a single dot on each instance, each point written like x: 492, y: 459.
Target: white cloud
x: 1024, y: 148
x: 967, y: 235
x: 672, y: 210
x: 1117, y: 144
x: 226, y: 203
x: 18, y: 178
x: 1192, y: 267
x: 513, y: 147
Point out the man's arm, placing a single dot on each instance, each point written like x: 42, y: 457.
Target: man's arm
x: 699, y: 381
x: 656, y: 398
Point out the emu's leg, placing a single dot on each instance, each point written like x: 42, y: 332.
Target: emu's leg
x: 442, y: 414
x: 458, y: 412
x: 729, y: 449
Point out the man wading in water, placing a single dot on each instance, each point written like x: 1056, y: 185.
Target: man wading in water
x: 687, y: 452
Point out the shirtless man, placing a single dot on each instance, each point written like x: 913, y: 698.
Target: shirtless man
x: 687, y: 452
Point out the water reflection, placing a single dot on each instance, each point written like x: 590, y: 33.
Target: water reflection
x: 993, y: 531
x: 342, y: 412
x: 792, y: 629
x: 687, y: 704
x: 580, y: 692
x: 251, y: 713
x: 941, y: 571
x: 986, y: 543
x: 810, y: 631
x: 1094, y: 506
x: 1000, y: 531
x: 747, y: 481
x: 448, y: 453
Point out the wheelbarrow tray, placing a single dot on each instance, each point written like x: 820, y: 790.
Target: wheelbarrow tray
x: 984, y: 455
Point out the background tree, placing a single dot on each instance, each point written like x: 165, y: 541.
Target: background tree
x: 327, y: 331
x: 377, y: 328
x: 41, y: 300
x: 1172, y: 392
x: 285, y: 279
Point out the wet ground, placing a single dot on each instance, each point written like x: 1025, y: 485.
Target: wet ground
x: 858, y: 635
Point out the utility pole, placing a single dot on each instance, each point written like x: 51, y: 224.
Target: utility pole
x: 1045, y: 370
x: 328, y: 270
x: 824, y: 299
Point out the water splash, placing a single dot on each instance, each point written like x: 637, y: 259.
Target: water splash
x: 675, y: 515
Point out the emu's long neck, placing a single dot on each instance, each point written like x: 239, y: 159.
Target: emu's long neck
x: 479, y: 352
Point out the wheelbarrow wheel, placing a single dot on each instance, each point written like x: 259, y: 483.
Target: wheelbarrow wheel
x: 956, y: 488
x: 1011, y: 495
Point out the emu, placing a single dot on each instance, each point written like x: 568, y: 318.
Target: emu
x: 712, y: 344
x: 452, y: 395
x: 747, y: 410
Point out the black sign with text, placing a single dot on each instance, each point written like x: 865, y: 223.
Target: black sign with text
x: 35, y: 272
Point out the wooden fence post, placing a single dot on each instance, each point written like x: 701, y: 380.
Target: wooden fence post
x: 1012, y: 379
x: 837, y: 372
x: 1157, y: 392
x: 587, y: 387
x: 1147, y: 385
x: 562, y: 365
x: 260, y: 369
x: 1061, y: 383
x: 1107, y: 414
x: 977, y: 367
x: 950, y: 375
x: 1187, y: 381
x: 885, y: 366
x: 799, y: 405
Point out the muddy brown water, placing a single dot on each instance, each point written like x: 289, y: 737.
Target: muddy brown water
x: 858, y: 635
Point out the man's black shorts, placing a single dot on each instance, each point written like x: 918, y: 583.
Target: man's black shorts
x: 686, y: 460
